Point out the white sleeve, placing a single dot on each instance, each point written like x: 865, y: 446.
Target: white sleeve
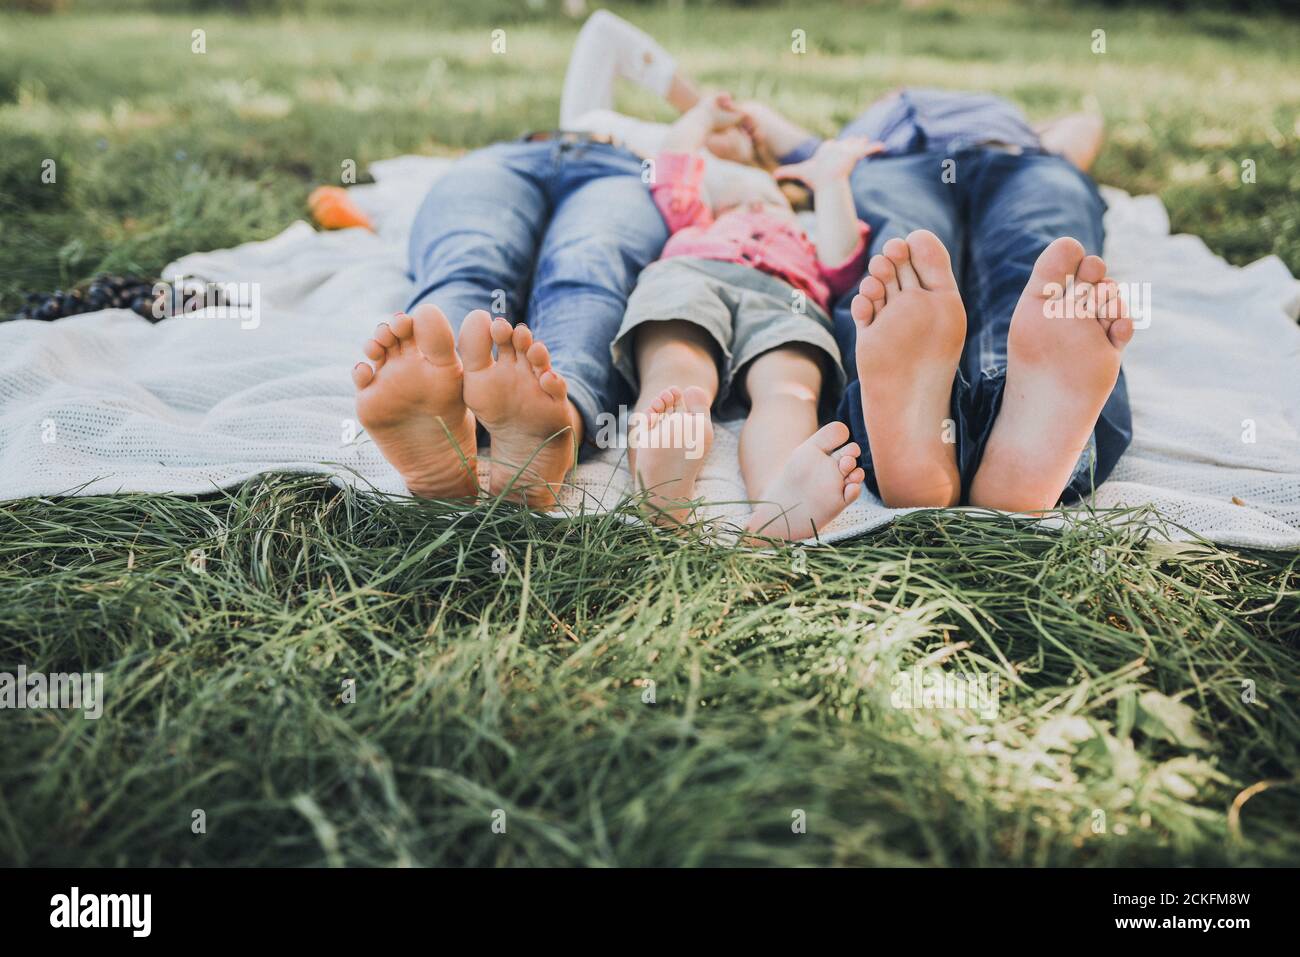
x: 642, y: 137
x: 608, y: 47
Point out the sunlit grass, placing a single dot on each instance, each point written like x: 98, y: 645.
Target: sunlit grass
x: 504, y: 661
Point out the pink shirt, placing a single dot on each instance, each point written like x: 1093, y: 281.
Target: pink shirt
x: 751, y: 237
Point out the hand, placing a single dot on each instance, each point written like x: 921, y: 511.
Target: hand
x: 834, y: 160
x: 720, y: 111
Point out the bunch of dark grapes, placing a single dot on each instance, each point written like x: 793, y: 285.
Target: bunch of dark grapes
x: 103, y: 292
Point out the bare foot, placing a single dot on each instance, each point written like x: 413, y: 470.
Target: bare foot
x: 410, y: 403
x: 911, y: 328
x: 818, y: 482
x: 523, y: 404
x: 669, y: 452
x: 1063, y: 356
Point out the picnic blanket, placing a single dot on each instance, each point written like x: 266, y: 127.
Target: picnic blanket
x: 106, y: 402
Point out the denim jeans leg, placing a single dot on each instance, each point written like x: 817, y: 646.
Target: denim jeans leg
x: 894, y: 196
x: 1019, y: 204
x: 474, y: 240
x: 605, y: 230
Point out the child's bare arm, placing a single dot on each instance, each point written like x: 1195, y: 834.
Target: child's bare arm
x: 838, y: 232
x: 712, y: 113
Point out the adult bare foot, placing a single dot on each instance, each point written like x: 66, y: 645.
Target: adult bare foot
x: 409, y: 401
x: 666, y: 456
x: 911, y: 327
x: 1063, y: 356
x: 523, y: 403
x: 818, y: 482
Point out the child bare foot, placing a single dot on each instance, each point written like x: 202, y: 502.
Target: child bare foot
x: 1063, y: 357
x: 523, y: 404
x: 818, y: 482
x: 409, y: 401
x: 666, y: 456
x: 911, y: 327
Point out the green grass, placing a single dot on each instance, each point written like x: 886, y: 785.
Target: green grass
x: 502, y: 660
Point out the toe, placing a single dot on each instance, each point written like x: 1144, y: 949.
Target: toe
x: 553, y: 384
x: 362, y: 375
x: 1112, y: 303
x: 385, y: 336
x: 1120, y: 332
x: 1092, y: 269
x: 522, y: 339
x: 830, y: 436
x: 374, y: 351
x: 1055, y: 264
x: 1120, y: 308
x: 503, y: 336
x: 476, y: 341
x: 432, y: 331
x: 1106, y: 293
x: 696, y: 399
x: 401, y: 325
x: 883, y: 269
x: 872, y: 288
x: 539, y: 357
x: 847, y: 464
x: 931, y: 261
x: 851, y: 492
x: 898, y: 253
x: 1085, y: 300
x: 863, y: 310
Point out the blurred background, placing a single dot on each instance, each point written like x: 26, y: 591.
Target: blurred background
x: 161, y: 150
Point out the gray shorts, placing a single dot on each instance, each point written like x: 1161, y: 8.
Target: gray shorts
x: 745, y: 311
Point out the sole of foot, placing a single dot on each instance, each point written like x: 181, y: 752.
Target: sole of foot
x: 1067, y: 336
x: 911, y: 326
x: 523, y: 404
x: 818, y: 482
x: 666, y: 456
x: 409, y: 400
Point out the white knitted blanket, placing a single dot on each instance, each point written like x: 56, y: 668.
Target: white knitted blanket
x: 106, y: 402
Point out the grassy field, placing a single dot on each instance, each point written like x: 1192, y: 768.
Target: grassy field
x: 344, y: 680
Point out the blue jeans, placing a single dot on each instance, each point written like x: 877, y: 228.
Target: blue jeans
x: 552, y: 233
x: 1001, y: 212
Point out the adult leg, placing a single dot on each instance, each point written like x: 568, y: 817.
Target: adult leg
x: 1048, y: 414
x: 472, y: 249
x: 465, y: 246
x: 537, y: 400
x: 605, y: 230
x: 475, y: 237
x: 897, y: 196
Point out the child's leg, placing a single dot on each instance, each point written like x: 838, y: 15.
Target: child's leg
x: 799, y: 476
x: 678, y: 375
x: 783, y: 388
